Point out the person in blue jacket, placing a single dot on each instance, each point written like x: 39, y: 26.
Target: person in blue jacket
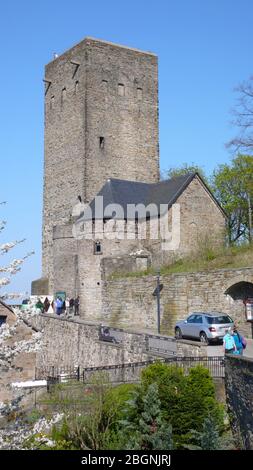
x: 238, y: 342
x: 229, y: 342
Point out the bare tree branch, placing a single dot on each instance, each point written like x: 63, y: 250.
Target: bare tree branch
x: 243, y: 118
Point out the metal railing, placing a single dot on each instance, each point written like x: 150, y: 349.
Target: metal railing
x: 129, y: 372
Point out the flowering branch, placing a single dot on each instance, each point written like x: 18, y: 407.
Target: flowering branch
x: 2, y: 225
x: 12, y: 295
x: 8, y: 246
x: 15, y: 266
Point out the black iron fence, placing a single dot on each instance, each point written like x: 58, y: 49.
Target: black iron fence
x: 129, y: 372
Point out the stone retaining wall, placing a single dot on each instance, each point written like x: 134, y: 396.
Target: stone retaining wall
x: 239, y: 393
x: 72, y: 343
x: 129, y: 301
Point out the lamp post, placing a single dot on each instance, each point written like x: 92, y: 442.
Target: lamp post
x: 156, y: 294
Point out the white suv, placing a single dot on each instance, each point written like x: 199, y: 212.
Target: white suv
x: 206, y: 327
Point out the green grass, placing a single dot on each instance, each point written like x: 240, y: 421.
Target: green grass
x: 210, y: 259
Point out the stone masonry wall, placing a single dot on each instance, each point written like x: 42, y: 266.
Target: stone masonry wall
x: 101, y: 121
x: 129, y: 302
x: 18, y: 345
x: 67, y: 343
x: 73, y: 343
x: 239, y: 394
x: 65, y: 261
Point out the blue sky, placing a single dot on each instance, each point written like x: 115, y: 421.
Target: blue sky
x: 204, y: 49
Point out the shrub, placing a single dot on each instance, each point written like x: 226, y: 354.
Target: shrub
x: 186, y: 400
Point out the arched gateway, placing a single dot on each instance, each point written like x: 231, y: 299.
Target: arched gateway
x: 240, y: 293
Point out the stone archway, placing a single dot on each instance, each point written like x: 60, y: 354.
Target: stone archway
x: 238, y: 293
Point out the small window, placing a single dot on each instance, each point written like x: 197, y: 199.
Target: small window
x: 101, y: 143
x: 52, y: 102
x: 121, y: 89
x: 104, y: 85
x: 76, y: 86
x: 191, y: 319
x: 219, y: 320
x: 97, y: 248
x: 63, y: 95
x: 139, y: 93
x: 198, y: 319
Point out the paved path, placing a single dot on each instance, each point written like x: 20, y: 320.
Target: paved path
x: 214, y: 350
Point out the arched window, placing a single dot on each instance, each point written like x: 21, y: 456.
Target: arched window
x: 139, y: 94
x: 104, y: 85
x: 121, y: 89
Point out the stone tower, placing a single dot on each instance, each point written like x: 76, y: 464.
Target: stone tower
x: 101, y: 121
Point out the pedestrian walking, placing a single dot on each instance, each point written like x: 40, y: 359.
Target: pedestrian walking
x: 77, y: 306
x: 229, y: 345
x: 71, y: 306
x: 67, y: 306
x: 239, y: 341
x: 46, y: 305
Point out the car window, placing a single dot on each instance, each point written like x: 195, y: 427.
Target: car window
x: 219, y: 320
x: 191, y: 319
x: 198, y: 319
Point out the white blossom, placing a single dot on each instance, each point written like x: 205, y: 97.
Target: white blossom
x: 5, y: 247
x: 4, y: 281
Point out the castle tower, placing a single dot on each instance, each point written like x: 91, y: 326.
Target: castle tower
x: 101, y: 121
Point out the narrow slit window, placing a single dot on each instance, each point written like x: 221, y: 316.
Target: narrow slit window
x: 101, y: 143
x: 139, y: 93
x: 76, y: 86
x: 121, y: 89
x: 104, y: 85
x: 97, y: 248
x: 52, y: 102
x: 63, y: 94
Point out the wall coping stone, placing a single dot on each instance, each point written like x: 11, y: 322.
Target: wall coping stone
x: 234, y: 357
x: 98, y: 323
x: 185, y: 273
x: 191, y: 342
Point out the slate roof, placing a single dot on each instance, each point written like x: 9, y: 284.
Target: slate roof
x: 123, y: 192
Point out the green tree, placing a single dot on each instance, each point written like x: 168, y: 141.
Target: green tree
x: 183, y: 170
x: 150, y: 432
x: 186, y: 400
x: 233, y: 187
x: 210, y: 436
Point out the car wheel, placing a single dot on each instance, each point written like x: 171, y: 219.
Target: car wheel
x: 178, y: 333
x: 203, y: 338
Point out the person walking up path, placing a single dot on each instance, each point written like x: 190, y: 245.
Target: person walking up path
x: 229, y: 345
